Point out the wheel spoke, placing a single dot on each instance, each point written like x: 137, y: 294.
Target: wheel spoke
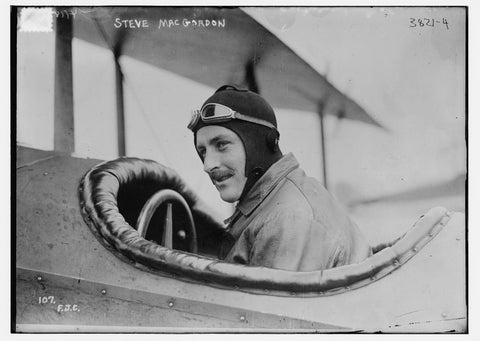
x: 146, y: 214
x: 167, y: 228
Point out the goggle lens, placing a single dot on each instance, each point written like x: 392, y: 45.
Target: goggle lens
x: 215, y: 111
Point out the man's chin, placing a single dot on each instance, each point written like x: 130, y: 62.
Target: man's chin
x: 229, y: 197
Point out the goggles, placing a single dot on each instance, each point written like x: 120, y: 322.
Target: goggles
x: 214, y: 112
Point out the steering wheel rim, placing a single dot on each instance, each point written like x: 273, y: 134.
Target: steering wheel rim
x: 150, y: 207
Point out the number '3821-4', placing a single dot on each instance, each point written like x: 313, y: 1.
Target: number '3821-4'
x: 430, y: 22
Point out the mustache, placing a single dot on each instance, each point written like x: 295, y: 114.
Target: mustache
x: 216, y: 175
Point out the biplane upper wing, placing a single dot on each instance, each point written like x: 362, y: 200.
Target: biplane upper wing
x: 233, y: 48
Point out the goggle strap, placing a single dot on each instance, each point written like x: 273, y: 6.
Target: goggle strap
x: 254, y: 120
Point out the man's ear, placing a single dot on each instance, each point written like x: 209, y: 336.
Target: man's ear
x: 272, y: 140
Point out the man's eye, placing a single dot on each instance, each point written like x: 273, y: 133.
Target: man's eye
x: 201, y: 152
x: 222, y: 145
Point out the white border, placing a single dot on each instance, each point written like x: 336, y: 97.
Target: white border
x: 473, y: 40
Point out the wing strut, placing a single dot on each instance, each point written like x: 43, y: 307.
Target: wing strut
x: 122, y: 150
x: 116, y: 49
x: 64, y: 139
x: 321, y: 113
x: 250, y: 77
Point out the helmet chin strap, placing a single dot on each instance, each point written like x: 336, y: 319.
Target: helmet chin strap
x: 252, y: 178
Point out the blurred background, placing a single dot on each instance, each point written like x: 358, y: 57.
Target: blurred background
x: 370, y: 100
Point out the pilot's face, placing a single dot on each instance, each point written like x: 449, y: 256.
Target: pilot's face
x: 224, y: 160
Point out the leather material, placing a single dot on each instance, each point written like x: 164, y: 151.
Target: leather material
x: 98, y: 193
x: 289, y: 221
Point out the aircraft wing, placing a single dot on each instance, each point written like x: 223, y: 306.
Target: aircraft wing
x: 454, y: 186
x: 231, y: 48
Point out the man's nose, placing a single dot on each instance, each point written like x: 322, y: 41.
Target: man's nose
x: 210, y: 161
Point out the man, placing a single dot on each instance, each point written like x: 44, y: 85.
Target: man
x: 283, y: 219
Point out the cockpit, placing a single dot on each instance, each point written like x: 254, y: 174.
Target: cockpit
x: 119, y: 201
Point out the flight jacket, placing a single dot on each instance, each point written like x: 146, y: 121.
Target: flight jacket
x: 290, y: 221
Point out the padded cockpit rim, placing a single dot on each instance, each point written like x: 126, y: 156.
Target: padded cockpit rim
x: 98, y: 201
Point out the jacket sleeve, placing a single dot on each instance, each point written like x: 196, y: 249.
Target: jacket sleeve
x: 292, y: 240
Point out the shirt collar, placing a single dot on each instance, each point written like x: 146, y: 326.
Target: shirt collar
x: 267, y: 183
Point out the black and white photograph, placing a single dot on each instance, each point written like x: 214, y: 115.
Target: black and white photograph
x: 229, y: 169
